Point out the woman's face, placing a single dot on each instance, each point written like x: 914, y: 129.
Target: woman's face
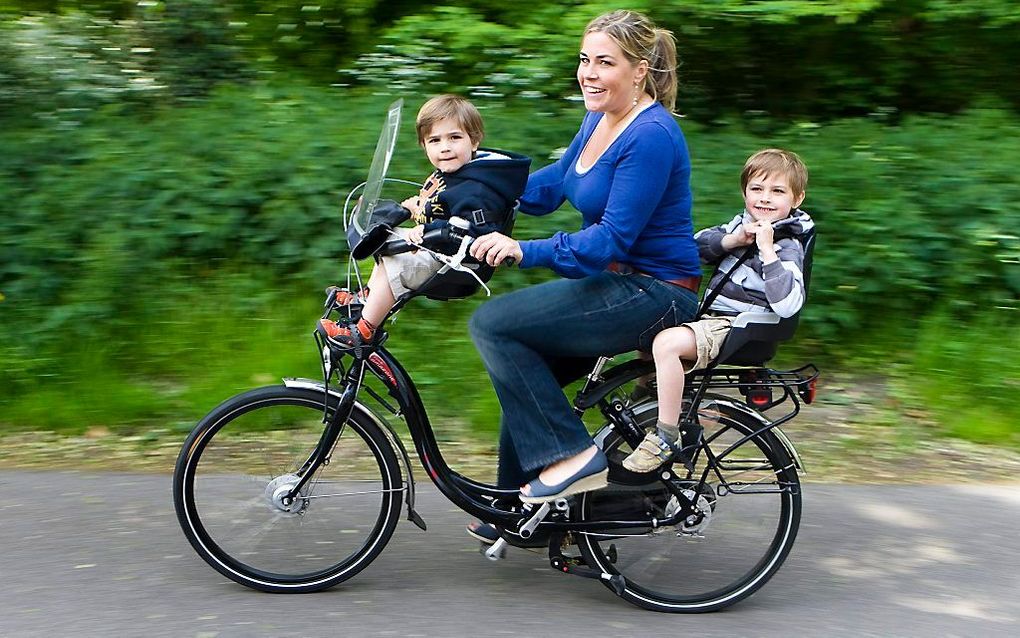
x: 607, y: 78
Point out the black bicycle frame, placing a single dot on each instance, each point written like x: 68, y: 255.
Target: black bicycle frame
x: 471, y: 496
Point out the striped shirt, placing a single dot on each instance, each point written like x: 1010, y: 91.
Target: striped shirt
x: 753, y: 286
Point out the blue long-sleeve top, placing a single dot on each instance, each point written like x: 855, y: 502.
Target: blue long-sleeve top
x: 635, y: 203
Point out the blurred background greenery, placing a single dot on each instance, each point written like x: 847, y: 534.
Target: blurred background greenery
x: 172, y: 171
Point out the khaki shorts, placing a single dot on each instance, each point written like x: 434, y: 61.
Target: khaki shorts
x: 709, y: 335
x: 408, y: 271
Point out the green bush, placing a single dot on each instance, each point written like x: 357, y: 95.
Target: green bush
x: 163, y: 258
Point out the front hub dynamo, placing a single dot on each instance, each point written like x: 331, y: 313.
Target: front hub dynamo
x: 276, y: 492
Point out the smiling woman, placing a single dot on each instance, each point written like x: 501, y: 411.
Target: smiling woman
x: 628, y: 172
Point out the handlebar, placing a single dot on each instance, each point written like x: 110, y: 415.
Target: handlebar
x: 431, y: 240
x: 447, y: 235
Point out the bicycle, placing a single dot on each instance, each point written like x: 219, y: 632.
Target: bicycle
x: 297, y: 487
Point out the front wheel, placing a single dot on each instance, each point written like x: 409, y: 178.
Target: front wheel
x: 236, y: 468
x: 751, y: 502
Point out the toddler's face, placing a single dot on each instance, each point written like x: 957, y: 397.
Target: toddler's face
x: 448, y: 146
x: 769, y: 197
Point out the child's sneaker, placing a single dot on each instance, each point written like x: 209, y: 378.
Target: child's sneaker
x: 343, y: 297
x: 653, y: 450
x: 349, y: 336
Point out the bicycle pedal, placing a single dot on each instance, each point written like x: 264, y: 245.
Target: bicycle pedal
x: 496, y: 551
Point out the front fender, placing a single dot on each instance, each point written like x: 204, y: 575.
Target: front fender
x: 311, y: 384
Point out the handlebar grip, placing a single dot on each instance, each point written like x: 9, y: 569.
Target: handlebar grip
x: 436, y: 239
x: 509, y: 262
x: 395, y: 247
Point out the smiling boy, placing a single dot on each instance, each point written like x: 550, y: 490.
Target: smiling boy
x: 774, y: 183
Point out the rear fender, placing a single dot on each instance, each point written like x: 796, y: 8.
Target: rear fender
x: 727, y: 404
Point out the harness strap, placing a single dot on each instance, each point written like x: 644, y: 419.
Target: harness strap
x: 714, y: 292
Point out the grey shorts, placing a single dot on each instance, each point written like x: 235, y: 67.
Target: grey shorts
x: 408, y: 271
x: 709, y: 335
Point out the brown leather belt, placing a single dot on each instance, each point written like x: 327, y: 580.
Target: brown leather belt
x: 692, y: 283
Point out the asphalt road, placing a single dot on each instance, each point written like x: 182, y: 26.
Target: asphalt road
x: 92, y: 554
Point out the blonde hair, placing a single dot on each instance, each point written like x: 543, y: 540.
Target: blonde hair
x: 639, y: 39
x: 451, y: 107
x: 776, y: 161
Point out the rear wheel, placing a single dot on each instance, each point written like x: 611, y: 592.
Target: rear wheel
x: 751, y: 502
x: 239, y: 463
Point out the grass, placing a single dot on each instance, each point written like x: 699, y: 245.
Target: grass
x: 967, y: 376
x: 173, y: 358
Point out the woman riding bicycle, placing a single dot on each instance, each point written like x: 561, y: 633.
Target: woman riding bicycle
x: 628, y: 172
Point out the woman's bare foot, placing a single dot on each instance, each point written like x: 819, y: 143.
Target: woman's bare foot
x: 563, y: 469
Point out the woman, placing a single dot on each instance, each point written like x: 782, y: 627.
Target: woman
x: 628, y: 172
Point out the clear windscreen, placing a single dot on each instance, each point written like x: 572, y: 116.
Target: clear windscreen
x: 362, y: 216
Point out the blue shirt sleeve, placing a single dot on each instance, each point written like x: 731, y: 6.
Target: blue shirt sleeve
x: 640, y: 178
x: 544, y: 192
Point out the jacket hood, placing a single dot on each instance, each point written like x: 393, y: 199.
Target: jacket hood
x: 502, y: 171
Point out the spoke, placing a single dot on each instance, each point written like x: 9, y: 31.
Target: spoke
x: 400, y: 489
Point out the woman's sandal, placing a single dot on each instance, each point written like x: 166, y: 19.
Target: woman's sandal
x: 593, y: 476
x: 484, y: 532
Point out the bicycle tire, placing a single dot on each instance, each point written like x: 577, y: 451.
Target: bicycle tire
x: 670, y: 572
x: 224, y: 496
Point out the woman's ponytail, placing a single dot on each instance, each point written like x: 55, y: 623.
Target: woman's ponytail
x: 662, y: 69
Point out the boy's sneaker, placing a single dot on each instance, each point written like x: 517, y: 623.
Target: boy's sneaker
x: 344, y: 297
x: 349, y: 336
x: 653, y: 450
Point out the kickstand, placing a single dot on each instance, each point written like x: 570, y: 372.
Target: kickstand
x: 571, y: 565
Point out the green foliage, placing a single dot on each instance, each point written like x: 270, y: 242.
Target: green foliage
x: 152, y: 265
x: 786, y: 58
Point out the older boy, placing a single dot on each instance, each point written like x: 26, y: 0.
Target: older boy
x: 774, y: 183
x: 479, y: 186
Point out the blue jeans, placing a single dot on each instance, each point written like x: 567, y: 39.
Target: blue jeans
x: 535, y: 340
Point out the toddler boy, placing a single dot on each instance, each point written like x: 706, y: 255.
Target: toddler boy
x: 480, y: 186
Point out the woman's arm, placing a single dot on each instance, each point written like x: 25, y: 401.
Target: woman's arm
x: 639, y: 180
x: 544, y: 192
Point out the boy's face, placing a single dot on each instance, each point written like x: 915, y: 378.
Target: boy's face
x: 448, y: 146
x: 769, y: 197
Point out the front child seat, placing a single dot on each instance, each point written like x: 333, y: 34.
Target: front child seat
x: 457, y: 285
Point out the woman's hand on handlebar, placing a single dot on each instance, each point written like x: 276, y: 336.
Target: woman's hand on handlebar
x: 494, y: 248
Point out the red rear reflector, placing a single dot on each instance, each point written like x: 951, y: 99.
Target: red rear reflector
x: 809, y: 390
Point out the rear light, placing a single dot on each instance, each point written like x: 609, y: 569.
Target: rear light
x: 760, y: 397
x: 753, y: 385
